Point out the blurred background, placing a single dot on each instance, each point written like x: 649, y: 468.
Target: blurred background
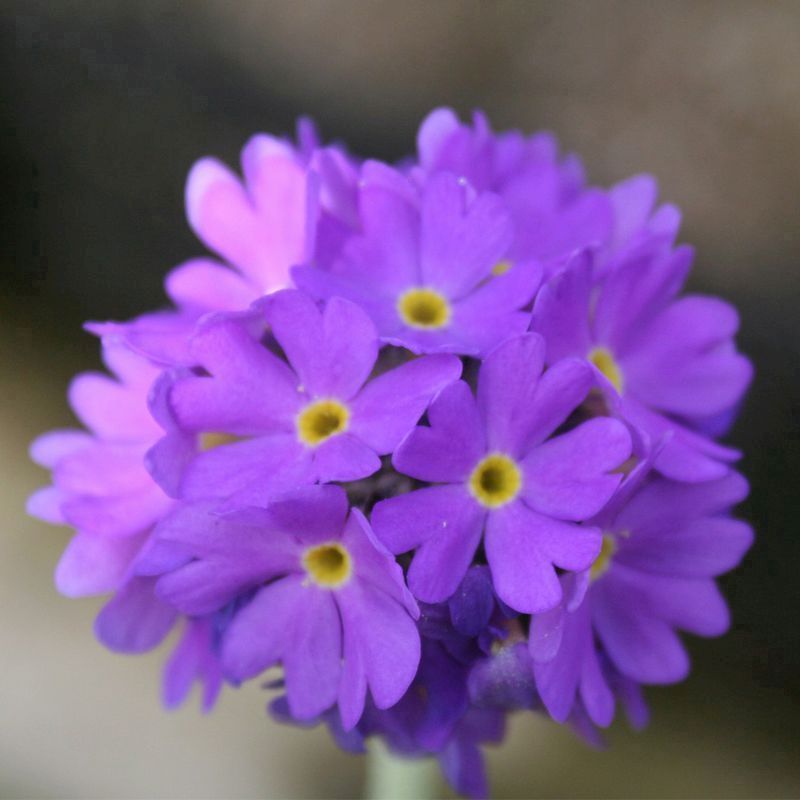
x: 105, y: 105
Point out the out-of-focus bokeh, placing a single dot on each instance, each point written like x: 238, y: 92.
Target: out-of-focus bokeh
x: 104, y: 107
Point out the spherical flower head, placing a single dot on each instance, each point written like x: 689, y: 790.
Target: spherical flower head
x: 476, y: 354
x: 501, y: 478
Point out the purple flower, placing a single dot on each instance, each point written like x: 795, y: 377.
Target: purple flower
x: 665, y: 365
x: 592, y: 495
x: 100, y: 485
x: 501, y: 476
x: 655, y: 572
x: 261, y: 227
x: 317, y: 418
x: 553, y: 210
x: 431, y: 266
x: 328, y: 601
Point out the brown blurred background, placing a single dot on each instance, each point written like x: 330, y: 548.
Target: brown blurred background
x: 106, y: 104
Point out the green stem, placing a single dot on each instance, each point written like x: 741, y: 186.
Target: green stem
x: 391, y: 777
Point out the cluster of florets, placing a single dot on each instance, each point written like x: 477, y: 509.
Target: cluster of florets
x: 438, y: 439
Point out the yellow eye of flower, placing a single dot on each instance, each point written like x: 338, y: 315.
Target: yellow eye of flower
x: 605, y: 362
x: 423, y: 308
x: 320, y: 420
x: 211, y: 439
x: 495, y: 481
x: 328, y: 565
x: 500, y: 268
x: 603, y: 560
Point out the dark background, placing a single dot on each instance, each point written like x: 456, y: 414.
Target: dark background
x: 103, y: 108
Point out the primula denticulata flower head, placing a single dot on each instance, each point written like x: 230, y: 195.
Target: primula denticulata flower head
x: 439, y: 440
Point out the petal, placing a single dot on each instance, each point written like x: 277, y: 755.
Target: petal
x: 685, y: 364
x: 434, y: 133
x: 561, y: 310
x: 344, y: 457
x: 134, y: 620
x: 161, y: 337
x: 226, y: 220
x: 558, y: 678
x: 546, y: 633
x: 386, y: 637
x: 49, y: 448
x: 697, y: 549
x: 111, y: 409
x: 523, y: 548
x: 116, y: 515
x: 642, y: 648
x: 685, y: 455
x: 441, y: 562
x: 353, y: 686
x: 311, y: 514
x: 285, y: 194
x: 313, y: 655
x: 387, y: 256
x: 561, y: 389
x: 634, y: 293
x: 472, y: 605
x: 404, y: 522
x: 331, y: 352
x: 567, y: 477
x: 166, y: 461
x: 662, y: 506
x: 249, y: 391
x: 374, y: 564
x: 261, y: 631
x: 448, y: 450
x: 389, y: 406
x: 595, y: 691
x: 376, y: 300
x: 476, y: 328
x: 45, y: 504
x: 694, y: 605
x: 506, y: 385
x: 192, y: 660
x: 264, y: 467
x: 507, y: 292
x: 230, y: 557
x: 632, y: 201
x: 205, y: 285
x: 586, y: 221
x: 460, y: 242
x: 94, y: 564
x: 103, y: 468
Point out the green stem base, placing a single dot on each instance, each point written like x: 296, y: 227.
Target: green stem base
x: 391, y: 777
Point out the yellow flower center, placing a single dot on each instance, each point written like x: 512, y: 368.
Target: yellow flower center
x: 423, y: 308
x: 605, y: 362
x: 603, y: 560
x: 328, y: 565
x: 320, y: 420
x: 211, y: 439
x: 495, y: 481
x: 500, y: 268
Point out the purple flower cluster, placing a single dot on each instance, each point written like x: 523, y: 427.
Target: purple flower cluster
x: 438, y: 439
